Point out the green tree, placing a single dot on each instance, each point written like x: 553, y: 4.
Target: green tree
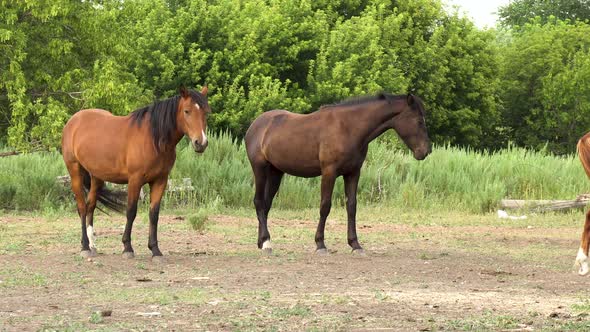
x: 544, y: 86
x: 519, y: 12
x: 52, y: 51
x: 407, y: 46
x: 244, y: 47
x: 60, y: 56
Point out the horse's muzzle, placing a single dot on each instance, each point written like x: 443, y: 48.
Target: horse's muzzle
x: 198, y: 147
x: 422, y: 153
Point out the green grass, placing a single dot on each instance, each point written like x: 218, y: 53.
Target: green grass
x: 20, y: 277
x: 450, y: 179
x: 486, y: 322
x: 159, y: 295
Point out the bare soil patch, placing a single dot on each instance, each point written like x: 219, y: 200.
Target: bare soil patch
x: 423, y: 278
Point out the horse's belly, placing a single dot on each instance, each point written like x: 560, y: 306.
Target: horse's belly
x: 304, y: 173
x: 299, y: 167
x: 109, y: 173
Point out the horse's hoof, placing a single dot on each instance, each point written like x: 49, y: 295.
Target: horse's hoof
x: 583, y: 268
x: 266, y: 251
x: 359, y: 252
x: 86, y: 254
x: 321, y: 252
x: 93, y: 252
x: 158, y: 260
x: 582, y: 263
x: 128, y: 254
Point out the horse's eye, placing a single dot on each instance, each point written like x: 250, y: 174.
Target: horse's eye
x: 185, y: 111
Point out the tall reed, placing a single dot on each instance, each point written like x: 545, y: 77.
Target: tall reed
x: 449, y: 179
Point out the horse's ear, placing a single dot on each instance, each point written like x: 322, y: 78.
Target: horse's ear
x: 411, y: 99
x: 183, y: 91
x: 204, y: 90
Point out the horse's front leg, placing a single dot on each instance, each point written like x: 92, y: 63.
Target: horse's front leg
x: 350, y: 189
x: 328, y: 180
x: 133, y: 189
x: 582, y: 258
x: 157, y: 189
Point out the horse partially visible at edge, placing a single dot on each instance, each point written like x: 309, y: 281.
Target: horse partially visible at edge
x: 583, y: 148
x: 331, y: 142
x: 136, y: 149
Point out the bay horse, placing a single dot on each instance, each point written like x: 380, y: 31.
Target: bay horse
x: 136, y: 149
x: 583, y: 148
x: 330, y: 142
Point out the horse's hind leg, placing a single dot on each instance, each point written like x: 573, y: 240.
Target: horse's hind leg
x: 77, y: 179
x: 350, y: 188
x: 260, y: 178
x: 582, y: 258
x: 95, y: 185
x: 328, y: 180
x: 273, y: 182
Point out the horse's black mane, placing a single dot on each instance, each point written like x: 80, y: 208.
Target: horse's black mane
x: 163, y: 117
x: 365, y: 99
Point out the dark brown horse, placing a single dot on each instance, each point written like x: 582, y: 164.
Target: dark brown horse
x: 136, y: 149
x: 582, y: 258
x: 330, y: 142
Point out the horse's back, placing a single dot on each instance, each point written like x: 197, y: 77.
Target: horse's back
x: 85, y: 118
x: 87, y: 122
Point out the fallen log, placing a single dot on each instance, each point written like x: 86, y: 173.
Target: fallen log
x: 9, y: 153
x: 546, y: 205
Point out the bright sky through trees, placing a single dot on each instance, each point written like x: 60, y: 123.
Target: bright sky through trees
x: 483, y: 13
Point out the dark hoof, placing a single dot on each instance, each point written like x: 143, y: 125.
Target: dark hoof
x: 86, y: 254
x: 128, y: 255
x: 266, y: 251
x: 158, y: 260
x: 321, y: 252
x: 359, y: 252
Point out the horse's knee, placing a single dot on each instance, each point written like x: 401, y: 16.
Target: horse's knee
x: 259, y: 204
x: 325, y: 207
x: 351, y: 204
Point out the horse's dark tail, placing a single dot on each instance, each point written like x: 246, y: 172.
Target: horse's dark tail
x: 584, y: 152
x: 106, y: 197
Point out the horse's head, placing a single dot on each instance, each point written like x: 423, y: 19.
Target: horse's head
x: 411, y: 127
x: 192, y: 117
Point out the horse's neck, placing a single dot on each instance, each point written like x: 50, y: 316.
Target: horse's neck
x: 388, y: 124
x: 372, y: 122
x: 175, y: 137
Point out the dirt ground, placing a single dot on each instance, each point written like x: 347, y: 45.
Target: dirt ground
x: 416, y: 277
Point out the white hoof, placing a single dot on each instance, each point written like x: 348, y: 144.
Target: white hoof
x: 91, y: 238
x: 359, y: 252
x: 86, y: 254
x: 158, y: 260
x: 128, y: 255
x: 267, y: 248
x: 582, y: 263
x: 321, y: 252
